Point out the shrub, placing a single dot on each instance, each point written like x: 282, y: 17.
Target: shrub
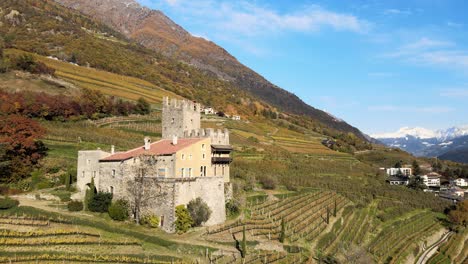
x: 232, y: 208
x: 119, y: 210
x: 75, y: 206
x: 100, y: 202
x: 7, y: 203
x: 150, y: 220
x: 268, y: 183
x: 184, y: 221
x: 199, y: 211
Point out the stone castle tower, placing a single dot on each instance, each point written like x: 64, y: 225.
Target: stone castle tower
x: 178, y: 117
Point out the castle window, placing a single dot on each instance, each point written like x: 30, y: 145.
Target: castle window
x: 201, y: 171
x: 203, y: 147
x: 215, y: 170
x: 172, y: 121
x: 190, y: 172
x: 83, y: 174
x: 183, y: 156
x: 162, y: 172
x: 111, y: 189
x: 113, y: 173
x: 223, y: 170
x: 182, y: 172
x: 191, y: 121
x: 204, y: 156
x: 204, y: 171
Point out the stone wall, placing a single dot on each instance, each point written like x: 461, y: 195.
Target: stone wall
x: 88, y: 167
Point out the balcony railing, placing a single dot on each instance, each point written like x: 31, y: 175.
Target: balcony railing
x: 221, y: 159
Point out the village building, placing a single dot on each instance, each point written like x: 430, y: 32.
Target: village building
x: 187, y: 163
x: 431, y: 179
x: 236, y: 117
x: 461, y: 182
x: 208, y: 111
x: 398, y: 180
x: 399, y: 171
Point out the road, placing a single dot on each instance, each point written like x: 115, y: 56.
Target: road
x: 427, y: 254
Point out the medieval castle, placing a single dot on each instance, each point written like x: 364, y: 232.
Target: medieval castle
x: 187, y: 163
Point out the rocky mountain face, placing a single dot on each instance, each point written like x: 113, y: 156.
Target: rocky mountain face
x: 450, y: 144
x: 154, y: 30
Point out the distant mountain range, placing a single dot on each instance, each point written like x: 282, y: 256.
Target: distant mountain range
x: 449, y: 144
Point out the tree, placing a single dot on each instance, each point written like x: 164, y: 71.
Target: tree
x: 22, y: 149
x: 100, y: 202
x: 459, y: 215
x: 416, y: 183
x: 142, y: 106
x: 416, y: 168
x: 184, y: 220
x: 141, y: 187
x: 199, y: 211
x: 90, y: 192
x: 399, y: 164
x: 283, y: 231
x: 244, y: 244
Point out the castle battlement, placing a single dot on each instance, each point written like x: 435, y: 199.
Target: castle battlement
x: 172, y: 104
x: 218, y: 136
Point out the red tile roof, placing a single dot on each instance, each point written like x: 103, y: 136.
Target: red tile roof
x: 162, y: 147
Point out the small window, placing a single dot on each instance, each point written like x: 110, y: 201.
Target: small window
x: 162, y: 172
x: 215, y: 170
x: 190, y: 172
x: 182, y: 172
x: 83, y: 174
x: 191, y: 121
x: 183, y: 156
x: 172, y: 121
x: 190, y: 157
x: 203, y: 147
x: 204, y: 171
x: 223, y: 170
x: 111, y: 189
x: 113, y: 173
x: 203, y: 156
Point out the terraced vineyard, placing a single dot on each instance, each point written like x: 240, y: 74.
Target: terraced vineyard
x: 305, y: 217
x: 393, y: 243
x: 455, y: 250
x: 38, y: 239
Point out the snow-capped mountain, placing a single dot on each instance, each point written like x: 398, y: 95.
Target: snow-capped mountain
x: 425, y: 142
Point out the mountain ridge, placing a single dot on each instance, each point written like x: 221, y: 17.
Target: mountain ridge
x: 154, y: 30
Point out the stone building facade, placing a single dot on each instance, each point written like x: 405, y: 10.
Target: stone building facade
x: 187, y: 163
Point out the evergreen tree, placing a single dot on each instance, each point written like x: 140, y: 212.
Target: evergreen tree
x: 90, y: 193
x: 334, y: 209
x: 244, y: 244
x: 283, y: 231
x: 416, y: 169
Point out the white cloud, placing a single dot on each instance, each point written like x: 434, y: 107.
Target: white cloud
x: 394, y: 11
x: 454, y: 93
x: 426, y: 51
x: 454, y: 25
x: 409, y: 109
x: 245, y: 18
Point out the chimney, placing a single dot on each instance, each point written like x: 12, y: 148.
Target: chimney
x: 112, y: 149
x: 147, y: 143
x: 174, y: 140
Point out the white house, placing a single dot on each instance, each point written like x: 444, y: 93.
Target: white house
x: 431, y: 180
x: 397, y: 180
x: 462, y: 182
x: 236, y: 117
x: 457, y: 191
x: 397, y: 171
x: 209, y: 111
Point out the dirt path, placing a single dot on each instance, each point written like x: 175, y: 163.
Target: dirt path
x: 430, y: 251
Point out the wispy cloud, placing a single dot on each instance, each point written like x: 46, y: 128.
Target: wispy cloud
x: 410, y: 109
x: 242, y: 17
x: 394, y: 11
x: 454, y: 93
x: 426, y: 51
x: 454, y: 25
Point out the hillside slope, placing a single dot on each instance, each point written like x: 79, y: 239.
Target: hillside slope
x: 154, y: 30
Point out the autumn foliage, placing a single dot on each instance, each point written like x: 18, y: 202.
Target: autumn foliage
x: 90, y: 104
x: 20, y: 149
x: 459, y: 215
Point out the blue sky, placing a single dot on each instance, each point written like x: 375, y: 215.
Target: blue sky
x: 379, y: 65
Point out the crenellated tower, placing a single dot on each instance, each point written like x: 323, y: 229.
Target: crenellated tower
x: 179, y: 116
